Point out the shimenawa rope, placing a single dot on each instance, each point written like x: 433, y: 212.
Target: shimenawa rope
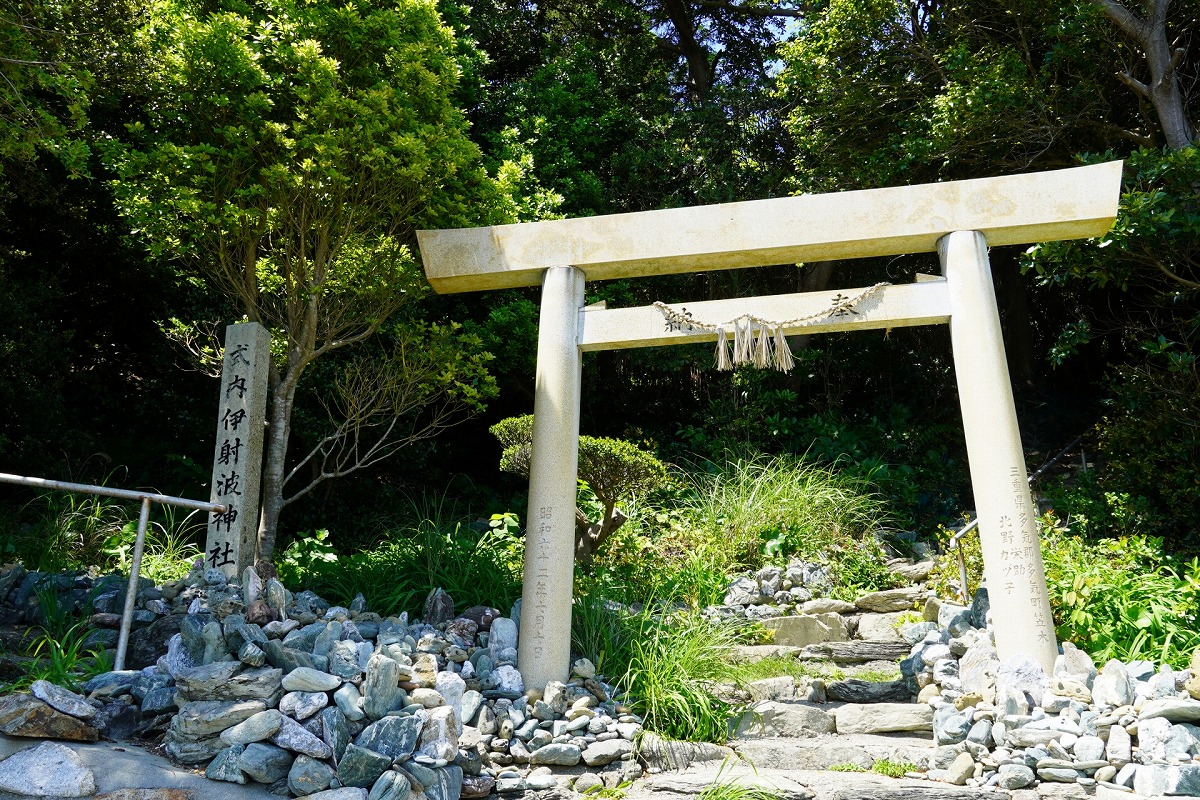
x: 756, y: 340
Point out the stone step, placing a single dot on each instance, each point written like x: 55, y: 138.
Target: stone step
x: 821, y: 752
x: 857, y: 652
x: 797, y: 719
x: 800, y: 784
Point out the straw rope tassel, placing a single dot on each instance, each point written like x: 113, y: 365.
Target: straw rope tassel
x: 783, y: 353
x: 741, y: 341
x: 762, y: 348
x: 723, y: 362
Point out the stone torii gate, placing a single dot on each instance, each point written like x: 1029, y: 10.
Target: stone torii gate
x: 959, y: 220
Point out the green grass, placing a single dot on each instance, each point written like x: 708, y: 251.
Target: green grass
x: 894, y: 769
x: 778, y: 666
x: 847, y: 767
x: 668, y: 662
x: 723, y: 788
x: 398, y: 573
x: 723, y: 519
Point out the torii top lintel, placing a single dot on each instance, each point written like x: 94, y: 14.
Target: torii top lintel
x: 1073, y: 203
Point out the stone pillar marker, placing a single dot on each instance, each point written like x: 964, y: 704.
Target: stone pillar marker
x: 237, y: 460
x: 1012, y: 554
x: 544, y: 644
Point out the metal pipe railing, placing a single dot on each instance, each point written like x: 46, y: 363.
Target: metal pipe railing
x: 146, y: 498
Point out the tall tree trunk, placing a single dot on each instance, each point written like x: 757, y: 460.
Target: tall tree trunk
x: 283, y: 397
x: 1149, y: 34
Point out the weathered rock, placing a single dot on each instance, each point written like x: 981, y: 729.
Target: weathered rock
x: 46, y: 770
x: 187, y: 750
x: 439, y: 607
x: 62, y: 700
x: 361, y: 767
x: 502, y: 638
x: 598, y: 754
x: 22, y: 714
x: 858, y: 691
x: 395, y: 737
x: 225, y: 767
x: 807, y: 629
x: 262, y: 725
x: 391, y: 786
x: 743, y: 591
x: 1015, y: 776
x: 560, y: 755
x: 344, y: 793
x: 890, y: 600
x: 857, y: 652
x: 147, y: 644
x: 883, y: 718
x: 203, y: 682
x: 293, y: 736
x: 381, y: 690
x: 880, y: 626
x: 960, y: 769
x: 1113, y: 687
x: 308, y: 775
x: 265, y: 763
x: 349, y: 701
x: 770, y: 718
x: 209, y: 717
x: 1174, y: 709
x: 446, y: 784
x: 303, y: 705
x: 305, y: 679
x: 335, y: 731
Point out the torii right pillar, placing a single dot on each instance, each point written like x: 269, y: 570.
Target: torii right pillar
x: 1008, y: 529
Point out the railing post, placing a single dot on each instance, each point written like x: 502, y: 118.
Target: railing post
x: 135, y: 568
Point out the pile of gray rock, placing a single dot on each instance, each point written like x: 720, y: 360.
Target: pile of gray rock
x: 798, y: 589
x: 1120, y: 728
x: 260, y: 684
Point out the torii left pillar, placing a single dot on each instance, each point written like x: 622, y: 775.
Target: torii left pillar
x: 544, y: 653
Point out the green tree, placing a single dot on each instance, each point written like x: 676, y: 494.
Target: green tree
x: 613, y: 469
x: 287, y: 152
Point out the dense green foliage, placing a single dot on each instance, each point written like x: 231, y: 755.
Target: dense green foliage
x: 168, y: 167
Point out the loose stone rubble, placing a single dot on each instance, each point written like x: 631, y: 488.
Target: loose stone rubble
x: 254, y: 683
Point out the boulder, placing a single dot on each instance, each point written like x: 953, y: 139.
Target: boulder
x: 883, y: 718
x: 807, y: 629
x: 890, y: 600
x: 46, y: 770
x: 22, y: 714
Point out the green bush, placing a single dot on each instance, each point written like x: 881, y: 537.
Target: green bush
x: 1122, y: 597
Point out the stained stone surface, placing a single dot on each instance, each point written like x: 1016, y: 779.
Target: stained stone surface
x: 308, y: 775
x: 883, y: 718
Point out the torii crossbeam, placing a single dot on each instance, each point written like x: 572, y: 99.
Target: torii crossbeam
x: 958, y: 220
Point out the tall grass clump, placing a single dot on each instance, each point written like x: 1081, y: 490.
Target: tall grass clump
x: 725, y: 518
x: 669, y: 663
x: 780, y: 506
